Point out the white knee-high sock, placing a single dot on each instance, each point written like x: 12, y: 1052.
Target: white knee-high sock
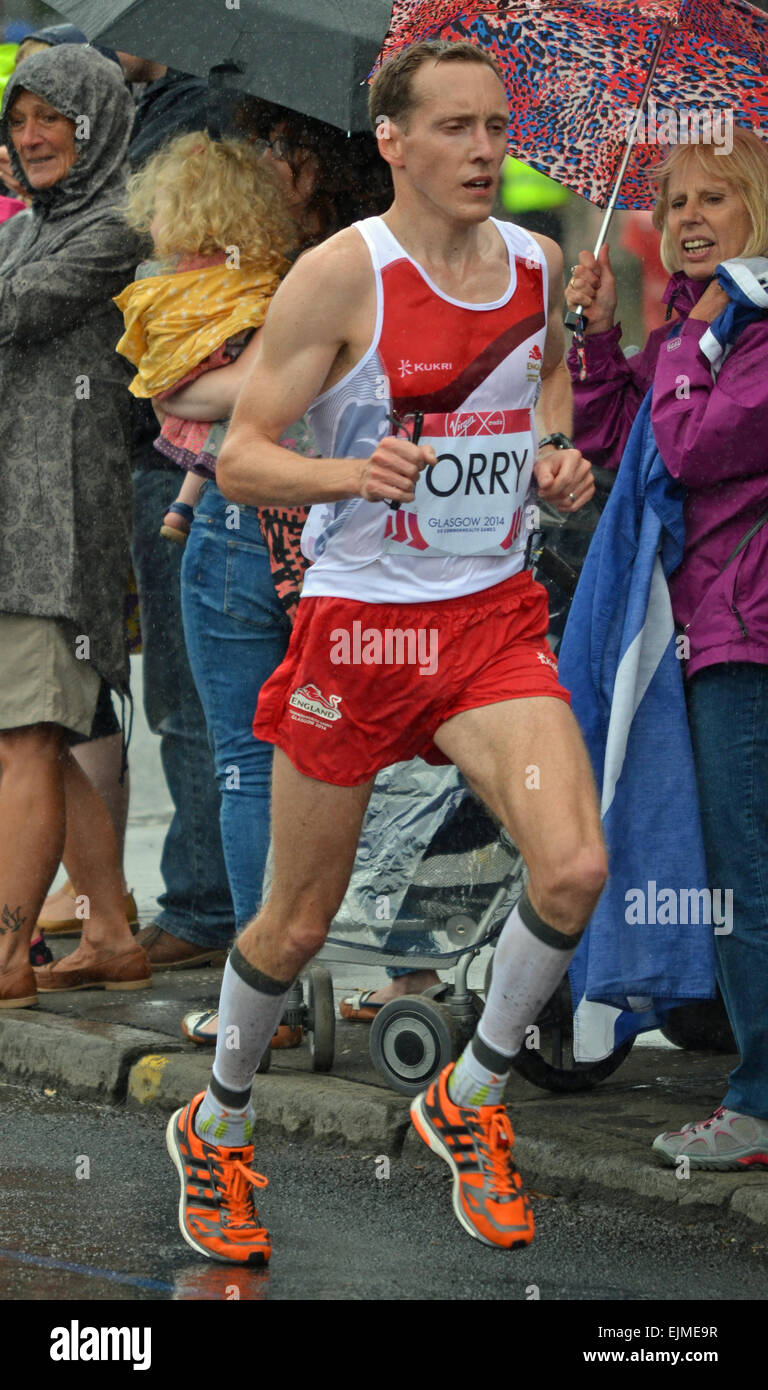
x: 531, y: 959
x: 250, y: 1007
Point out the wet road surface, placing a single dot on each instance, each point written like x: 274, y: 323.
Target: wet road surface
x: 339, y: 1231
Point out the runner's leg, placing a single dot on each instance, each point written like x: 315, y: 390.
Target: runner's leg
x: 527, y: 761
x: 315, y: 830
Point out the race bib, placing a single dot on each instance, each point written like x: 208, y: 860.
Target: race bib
x: 472, y: 501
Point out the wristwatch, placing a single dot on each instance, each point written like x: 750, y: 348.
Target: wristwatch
x: 560, y: 441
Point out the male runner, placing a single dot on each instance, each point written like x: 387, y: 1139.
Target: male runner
x: 431, y: 318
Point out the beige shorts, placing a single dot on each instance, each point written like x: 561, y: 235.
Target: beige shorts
x: 41, y: 679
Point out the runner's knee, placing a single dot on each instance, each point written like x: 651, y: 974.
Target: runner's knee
x: 566, y: 896
x: 307, y: 931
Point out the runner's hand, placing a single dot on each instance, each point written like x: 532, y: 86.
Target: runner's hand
x: 392, y: 471
x: 564, y: 478
x: 593, y: 287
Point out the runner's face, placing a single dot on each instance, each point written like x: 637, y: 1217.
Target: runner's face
x: 456, y: 139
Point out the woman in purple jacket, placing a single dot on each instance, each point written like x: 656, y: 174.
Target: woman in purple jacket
x: 712, y: 433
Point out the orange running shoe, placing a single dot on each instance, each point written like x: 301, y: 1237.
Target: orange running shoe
x: 217, y: 1211
x: 476, y: 1143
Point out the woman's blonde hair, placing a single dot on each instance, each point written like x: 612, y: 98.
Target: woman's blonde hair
x: 212, y: 194
x: 27, y: 47
x: 745, y: 167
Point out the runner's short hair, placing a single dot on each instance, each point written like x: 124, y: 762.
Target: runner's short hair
x: 745, y: 167
x: 391, y: 92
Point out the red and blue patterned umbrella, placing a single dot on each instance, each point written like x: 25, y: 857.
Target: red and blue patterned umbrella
x: 577, y: 73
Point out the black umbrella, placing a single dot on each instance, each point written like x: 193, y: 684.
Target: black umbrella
x: 310, y: 55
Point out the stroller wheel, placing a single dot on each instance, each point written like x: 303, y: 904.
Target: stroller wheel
x: 320, y: 1018
x: 700, y: 1027
x: 411, y: 1040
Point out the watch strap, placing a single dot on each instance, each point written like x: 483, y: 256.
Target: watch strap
x: 560, y: 441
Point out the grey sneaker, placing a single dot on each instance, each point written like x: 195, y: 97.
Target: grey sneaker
x: 726, y: 1142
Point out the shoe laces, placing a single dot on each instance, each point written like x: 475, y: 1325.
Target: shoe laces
x: 498, y: 1153
x: 238, y: 1180
x: 707, y: 1124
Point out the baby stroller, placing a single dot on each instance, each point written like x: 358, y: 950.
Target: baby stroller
x: 435, y: 878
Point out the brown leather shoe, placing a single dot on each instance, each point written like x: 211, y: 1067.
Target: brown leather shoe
x: 18, y: 987
x: 166, y: 952
x: 128, y: 970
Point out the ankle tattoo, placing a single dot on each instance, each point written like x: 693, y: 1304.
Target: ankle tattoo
x: 11, y: 920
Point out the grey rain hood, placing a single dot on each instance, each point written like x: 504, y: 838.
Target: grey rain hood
x: 65, y: 488
x: 85, y: 86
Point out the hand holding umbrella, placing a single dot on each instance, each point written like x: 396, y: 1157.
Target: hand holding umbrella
x: 592, y: 290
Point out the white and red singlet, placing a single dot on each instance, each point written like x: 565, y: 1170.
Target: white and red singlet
x: 472, y: 372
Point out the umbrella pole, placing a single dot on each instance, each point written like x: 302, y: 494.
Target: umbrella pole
x: 574, y: 318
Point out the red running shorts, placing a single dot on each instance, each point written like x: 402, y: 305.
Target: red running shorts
x: 365, y: 685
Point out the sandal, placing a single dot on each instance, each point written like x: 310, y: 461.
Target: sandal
x: 358, y: 1008
x: 193, y: 1027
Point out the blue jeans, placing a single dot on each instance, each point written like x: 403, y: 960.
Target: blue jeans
x: 728, y: 712
x: 197, y: 904
x: 237, y: 634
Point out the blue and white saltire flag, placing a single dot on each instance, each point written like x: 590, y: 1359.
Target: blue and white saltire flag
x: 649, y: 945
x: 745, y: 281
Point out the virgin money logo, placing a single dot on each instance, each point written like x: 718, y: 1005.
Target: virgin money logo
x: 481, y: 422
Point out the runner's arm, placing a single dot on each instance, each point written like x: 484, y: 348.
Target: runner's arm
x: 308, y: 324
x: 212, y: 395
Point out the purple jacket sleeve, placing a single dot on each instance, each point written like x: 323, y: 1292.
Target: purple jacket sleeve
x: 707, y: 431
x: 605, y: 405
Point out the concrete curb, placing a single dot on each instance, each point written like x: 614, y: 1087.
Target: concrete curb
x: 88, y: 1059
x: 83, y: 1057
x: 545, y: 1161
x: 548, y: 1164
x: 298, y: 1105
x: 556, y: 1153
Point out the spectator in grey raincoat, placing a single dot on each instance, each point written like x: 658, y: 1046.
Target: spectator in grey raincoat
x: 64, y: 505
